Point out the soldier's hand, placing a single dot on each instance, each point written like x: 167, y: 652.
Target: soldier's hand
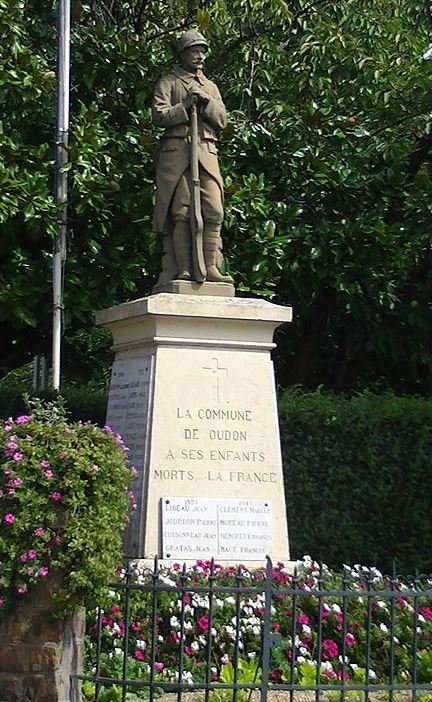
x: 196, y: 96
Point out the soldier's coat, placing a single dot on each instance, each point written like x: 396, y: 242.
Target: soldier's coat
x: 174, y: 150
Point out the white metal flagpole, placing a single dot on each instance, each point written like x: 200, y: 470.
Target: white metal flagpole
x: 61, y: 178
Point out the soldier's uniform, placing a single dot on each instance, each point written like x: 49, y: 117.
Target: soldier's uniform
x: 173, y: 177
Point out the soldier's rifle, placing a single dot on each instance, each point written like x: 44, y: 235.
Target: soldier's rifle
x: 197, y: 224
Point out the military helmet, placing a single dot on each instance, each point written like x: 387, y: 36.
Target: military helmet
x: 190, y: 38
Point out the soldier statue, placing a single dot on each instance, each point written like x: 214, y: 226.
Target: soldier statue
x: 189, y: 187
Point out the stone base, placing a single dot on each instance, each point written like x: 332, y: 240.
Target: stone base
x: 189, y: 287
x: 38, y: 654
x: 192, y: 393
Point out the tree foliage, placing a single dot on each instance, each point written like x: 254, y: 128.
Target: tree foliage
x: 326, y: 161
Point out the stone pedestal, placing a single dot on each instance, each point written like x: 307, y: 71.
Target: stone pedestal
x: 192, y: 393
x: 39, y: 654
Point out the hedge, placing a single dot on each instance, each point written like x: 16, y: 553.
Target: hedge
x: 358, y: 478
x: 357, y: 471
x: 85, y: 402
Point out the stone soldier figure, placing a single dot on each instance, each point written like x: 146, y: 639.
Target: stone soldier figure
x: 189, y: 201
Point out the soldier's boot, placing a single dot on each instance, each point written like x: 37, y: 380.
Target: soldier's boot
x: 212, y: 253
x: 181, y: 239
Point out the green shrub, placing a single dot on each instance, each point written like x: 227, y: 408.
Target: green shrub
x: 358, y: 477
x: 83, y: 402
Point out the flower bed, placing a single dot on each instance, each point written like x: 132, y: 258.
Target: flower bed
x: 355, y: 628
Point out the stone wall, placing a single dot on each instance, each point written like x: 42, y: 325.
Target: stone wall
x: 39, y: 653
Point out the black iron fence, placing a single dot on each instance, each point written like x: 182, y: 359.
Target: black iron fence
x: 235, y: 634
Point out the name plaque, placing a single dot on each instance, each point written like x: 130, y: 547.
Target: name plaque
x: 226, y: 529
x: 128, y: 404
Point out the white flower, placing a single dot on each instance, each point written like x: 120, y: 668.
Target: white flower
x: 230, y: 600
x: 336, y: 608
x: 160, y: 638
x: 252, y: 654
x: 306, y: 629
x: 372, y: 674
x: 167, y: 581
x: 213, y: 631
x: 195, y: 646
x: 303, y: 651
x: 116, y: 629
x: 174, y: 622
x: 421, y: 618
x: 381, y: 604
x: 218, y: 602
x: 188, y: 626
x: 354, y: 666
x: 343, y: 659
x: 383, y: 627
x: 301, y: 659
x: 187, y: 677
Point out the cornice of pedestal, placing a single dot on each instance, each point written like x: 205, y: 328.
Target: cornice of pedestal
x: 167, y: 319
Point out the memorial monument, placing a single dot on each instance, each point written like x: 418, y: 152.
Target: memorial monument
x: 192, y: 389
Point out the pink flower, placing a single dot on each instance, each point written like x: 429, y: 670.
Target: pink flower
x: 44, y: 463
x: 39, y: 531
x: 427, y: 612
x: 31, y: 554
x: 9, y: 518
x: 303, y: 619
x: 187, y: 649
x: 175, y: 636
x: 203, y: 623
x: 23, y: 557
x: 14, y: 482
x: 107, y: 429
x: 158, y: 666
x: 95, y: 468
x: 345, y: 675
x: 6, y: 471
x: 55, y: 495
x: 330, y: 649
x: 62, y: 454
x: 21, y: 589
x: 17, y: 456
x: 23, y: 418
x: 328, y: 673
x: 325, y: 611
x: 133, y: 470
x: 139, y: 655
x: 350, y: 639
x: 135, y: 626
x: 11, y: 446
x: 48, y: 474
x: 55, y: 541
x: 115, y: 609
x: 43, y: 571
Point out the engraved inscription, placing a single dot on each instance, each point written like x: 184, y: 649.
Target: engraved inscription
x: 224, y: 528
x: 128, y: 404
